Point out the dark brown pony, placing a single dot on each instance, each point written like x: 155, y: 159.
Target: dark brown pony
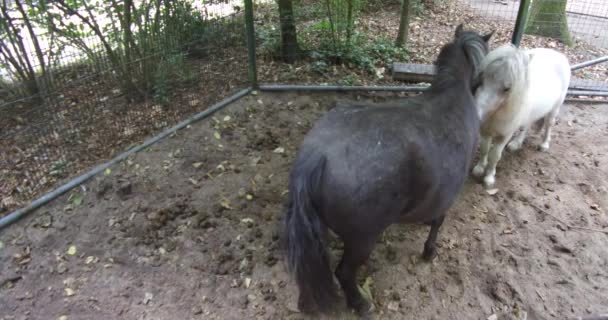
x: 363, y: 167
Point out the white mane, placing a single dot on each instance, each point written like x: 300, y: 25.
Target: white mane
x: 506, y: 64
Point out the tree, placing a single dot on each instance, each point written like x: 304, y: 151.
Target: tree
x: 548, y: 19
x: 28, y: 68
x: 404, y: 24
x: 289, y: 40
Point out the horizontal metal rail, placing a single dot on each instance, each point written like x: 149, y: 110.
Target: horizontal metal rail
x: 589, y: 63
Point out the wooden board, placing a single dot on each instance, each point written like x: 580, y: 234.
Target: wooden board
x: 412, y: 72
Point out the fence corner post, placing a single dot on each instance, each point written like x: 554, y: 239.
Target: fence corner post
x: 520, y: 23
x: 250, y: 31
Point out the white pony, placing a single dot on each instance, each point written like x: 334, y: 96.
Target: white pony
x: 516, y: 88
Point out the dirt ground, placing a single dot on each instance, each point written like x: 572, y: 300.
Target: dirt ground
x: 188, y: 229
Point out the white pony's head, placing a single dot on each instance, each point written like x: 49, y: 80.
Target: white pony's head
x: 502, y: 75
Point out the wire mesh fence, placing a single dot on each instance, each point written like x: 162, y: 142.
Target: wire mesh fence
x: 88, y: 101
x: 352, y: 42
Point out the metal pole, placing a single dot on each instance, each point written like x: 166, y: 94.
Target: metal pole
x: 249, y: 29
x: 280, y: 87
x: 589, y: 63
x: 520, y: 23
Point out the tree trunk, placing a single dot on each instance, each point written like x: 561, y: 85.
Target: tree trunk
x: 548, y: 19
x: 404, y: 24
x: 289, y: 41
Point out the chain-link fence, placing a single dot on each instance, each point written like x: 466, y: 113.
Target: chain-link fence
x: 79, y: 86
x: 354, y: 42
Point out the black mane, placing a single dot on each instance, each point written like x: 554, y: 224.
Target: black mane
x: 459, y: 60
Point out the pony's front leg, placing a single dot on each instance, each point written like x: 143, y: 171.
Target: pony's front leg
x: 549, y: 122
x: 493, y: 158
x: 480, y: 168
x: 518, y: 140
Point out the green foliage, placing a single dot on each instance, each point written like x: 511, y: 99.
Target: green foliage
x: 337, y: 29
x: 144, y: 42
x: 363, y: 54
x: 269, y: 41
x: 418, y: 8
x: 169, y: 73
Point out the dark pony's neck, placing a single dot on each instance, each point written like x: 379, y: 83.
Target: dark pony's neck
x: 458, y: 61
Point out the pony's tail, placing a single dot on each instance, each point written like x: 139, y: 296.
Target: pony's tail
x: 304, y: 231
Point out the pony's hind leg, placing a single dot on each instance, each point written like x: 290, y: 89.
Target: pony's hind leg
x: 493, y: 158
x: 356, y: 252
x: 549, y: 122
x: 518, y: 140
x: 480, y: 168
x: 430, y: 250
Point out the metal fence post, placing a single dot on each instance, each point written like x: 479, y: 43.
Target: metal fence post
x: 520, y: 23
x: 249, y: 29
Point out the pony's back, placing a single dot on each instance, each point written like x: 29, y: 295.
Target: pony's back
x: 548, y: 74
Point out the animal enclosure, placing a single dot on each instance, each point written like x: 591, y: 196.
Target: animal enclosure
x: 187, y: 228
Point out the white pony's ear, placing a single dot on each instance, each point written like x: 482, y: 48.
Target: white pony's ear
x: 488, y: 36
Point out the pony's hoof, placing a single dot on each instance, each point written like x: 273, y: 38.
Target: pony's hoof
x: 429, y: 254
x: 489, y: 181
x: 544, y: 146
x: 479, y: 170
x: 305, y: 305
x: 362, y: 307
x: 514, y: 146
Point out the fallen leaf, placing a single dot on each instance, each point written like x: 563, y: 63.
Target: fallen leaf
x: 197, y: 165
x: 249, y: 197
x: 89, y: 260
x: 69, y: 292
x: 217, y: 135
x: 247, y: 221
x: 225, y: 203
x: 1, y: 245
x: 393, y: 306
x: 148, y: 297
x: 227, y: 118
x: 279, y: 150
x: 194, y: 182
x: 380, y: 72
x: 254, y: 93
x: 72, y: 250
x: 365, y: 290
x: 76, y: 199
x: 507, y: 231
x: 492, y: 191
x: 255, y: 160
x: 107, y: 172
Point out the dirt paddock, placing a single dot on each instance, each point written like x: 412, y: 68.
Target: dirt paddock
x: 188, y: 229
